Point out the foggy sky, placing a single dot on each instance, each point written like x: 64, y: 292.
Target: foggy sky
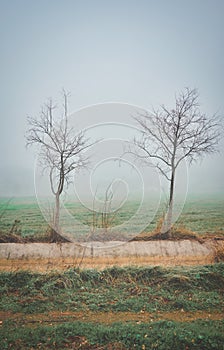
x: 134, y: 52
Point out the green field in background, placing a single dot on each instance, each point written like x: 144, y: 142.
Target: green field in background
x: 204, y: 214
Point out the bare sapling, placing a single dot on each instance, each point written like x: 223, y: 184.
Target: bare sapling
x: 62, y: 151
x: 171, y: 135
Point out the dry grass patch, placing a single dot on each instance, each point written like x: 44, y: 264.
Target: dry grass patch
x: 178, y: 232
x: 219, y: 251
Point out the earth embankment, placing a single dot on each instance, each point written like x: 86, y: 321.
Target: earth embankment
x: 44, y: 256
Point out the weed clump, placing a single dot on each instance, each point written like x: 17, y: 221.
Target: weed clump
x: 178, y: 232
x: 219, y: 252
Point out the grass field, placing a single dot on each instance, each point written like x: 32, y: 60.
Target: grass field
x: 202, y: 215
x: 117, y: 308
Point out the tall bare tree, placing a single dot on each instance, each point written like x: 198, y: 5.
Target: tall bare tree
x: 62, y: 151
x: 168, y: 136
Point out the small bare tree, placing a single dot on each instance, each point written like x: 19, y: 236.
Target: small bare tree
x: 106, y: 214
x: 168, y: 136
x: 62, y: 151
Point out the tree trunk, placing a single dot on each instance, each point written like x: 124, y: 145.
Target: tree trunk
x: 167, y: 224
x: 57, y: 213
x: 55, y: 235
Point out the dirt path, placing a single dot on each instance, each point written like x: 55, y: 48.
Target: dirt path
x: 61, y: 264
x: 108, y: 317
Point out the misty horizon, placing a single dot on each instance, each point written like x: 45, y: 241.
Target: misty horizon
x: 137, y: 54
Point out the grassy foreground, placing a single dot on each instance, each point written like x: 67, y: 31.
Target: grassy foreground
x: 117, y: 308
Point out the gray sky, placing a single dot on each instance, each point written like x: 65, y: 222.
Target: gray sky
x: 135, y: 52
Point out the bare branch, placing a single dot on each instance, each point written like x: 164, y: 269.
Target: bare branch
x: 175, y: 134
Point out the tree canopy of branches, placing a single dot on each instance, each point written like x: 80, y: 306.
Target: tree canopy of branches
x: 62, y: 151
x: 168, y: 136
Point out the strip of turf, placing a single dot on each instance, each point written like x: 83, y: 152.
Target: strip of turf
x: 162, y: 335
x: 131, y: 289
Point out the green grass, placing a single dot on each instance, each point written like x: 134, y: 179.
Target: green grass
x: 27, y: 211
x: 163, y: 335
x: 115, y: 289
x: 130, y: 289
x: 201, y: 215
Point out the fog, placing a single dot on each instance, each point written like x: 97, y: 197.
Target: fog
x: 116, y: 58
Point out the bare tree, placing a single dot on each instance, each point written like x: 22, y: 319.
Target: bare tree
x: 62, y: 151
x: 168, y: 136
